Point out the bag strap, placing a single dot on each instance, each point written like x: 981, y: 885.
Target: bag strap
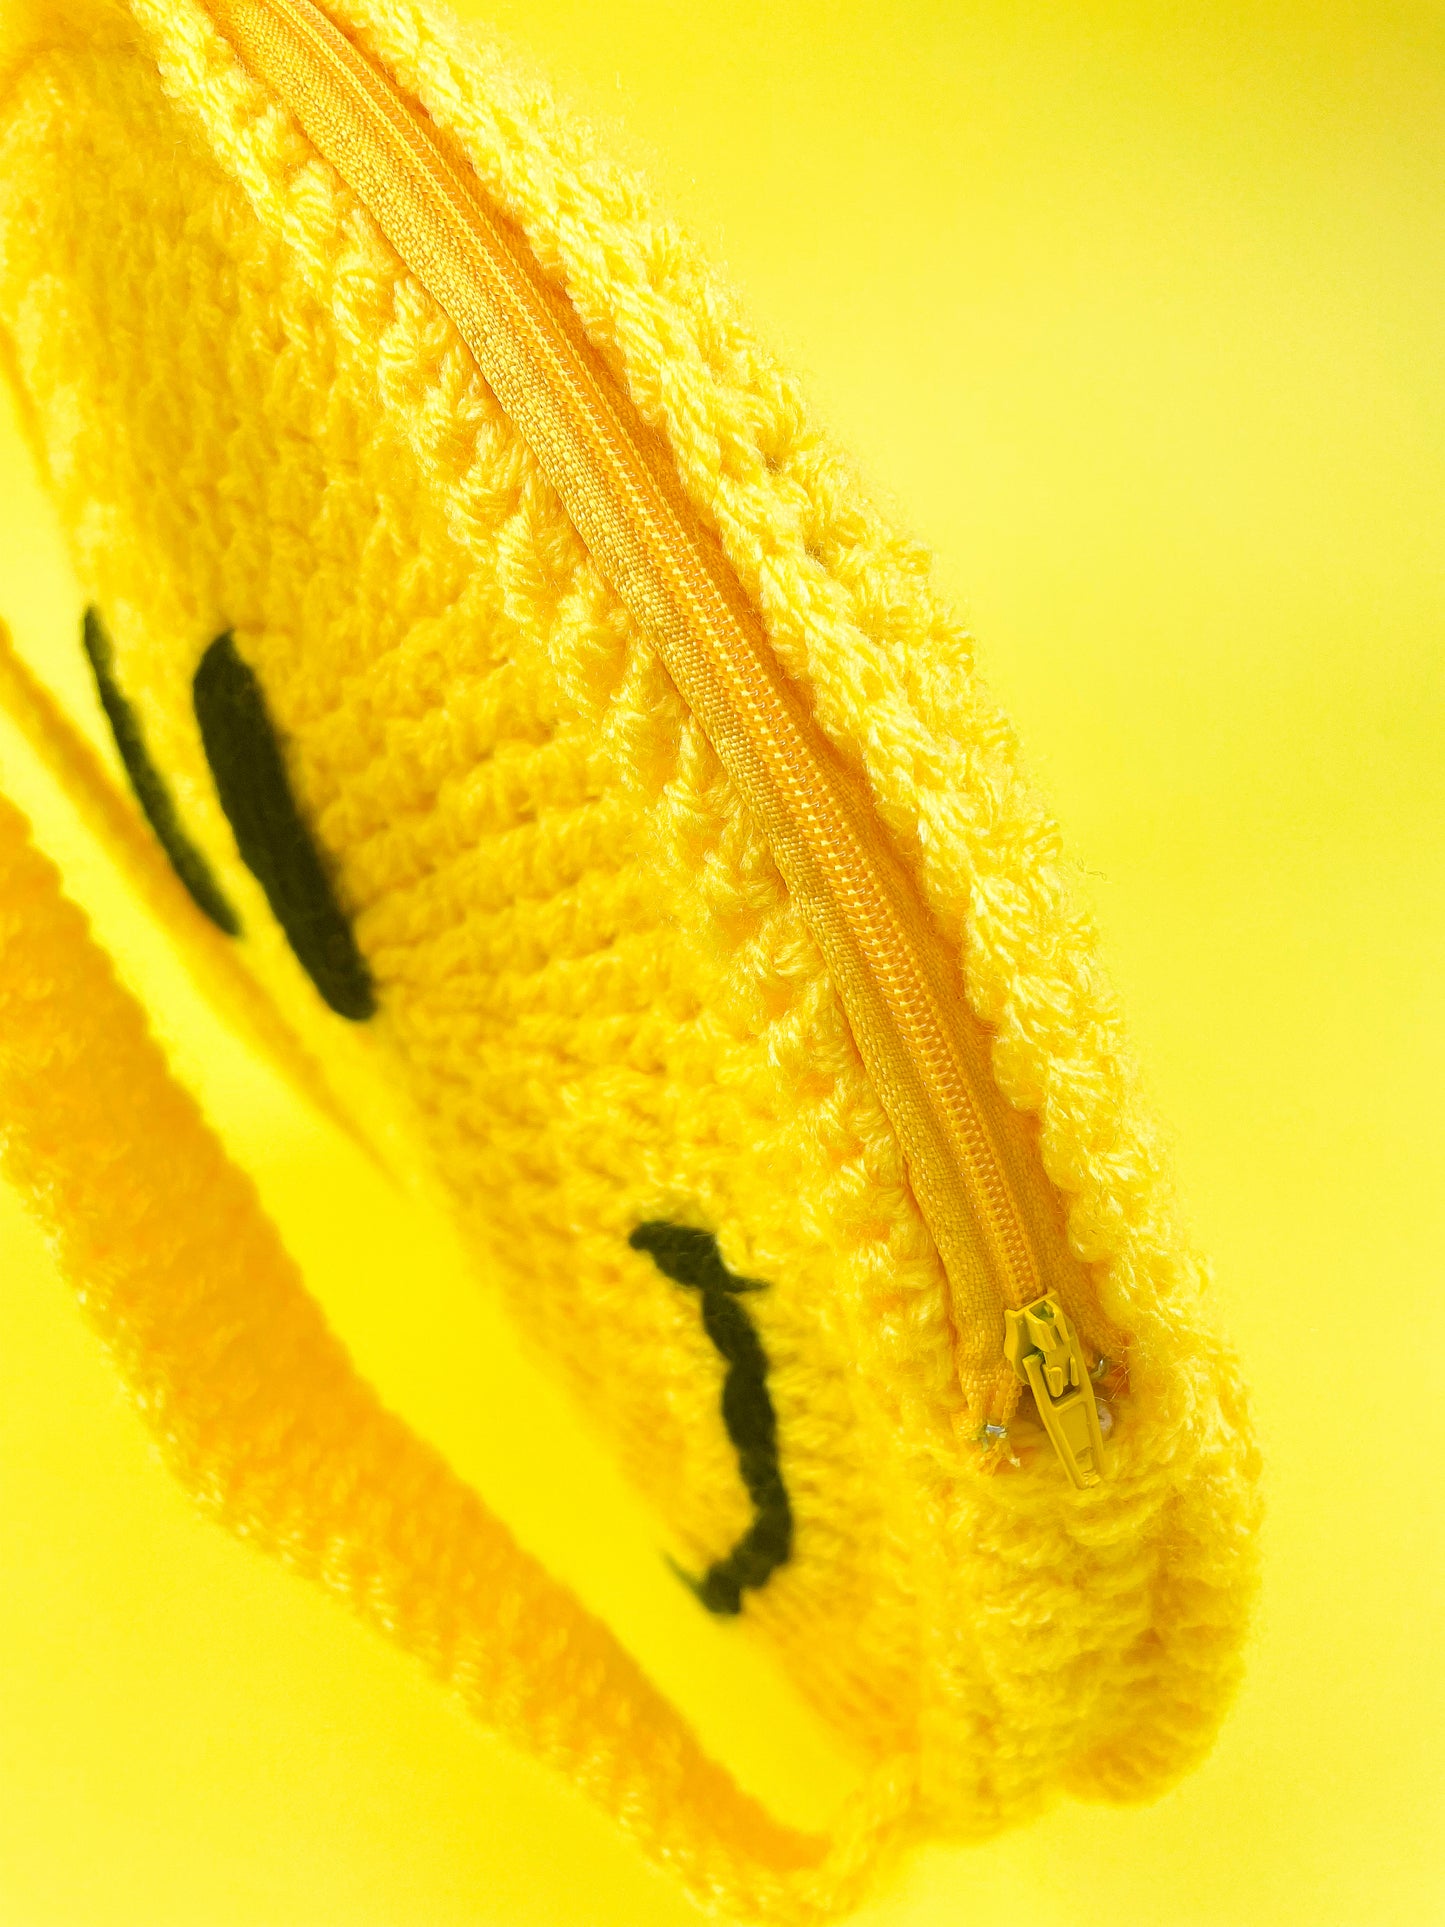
x: 261, y: 1414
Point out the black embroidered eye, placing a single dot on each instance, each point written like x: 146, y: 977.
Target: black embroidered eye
x: 275, y: 845
x: 151, y: 790
x: 692, y: 1258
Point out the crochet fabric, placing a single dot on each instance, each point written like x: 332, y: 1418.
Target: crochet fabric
x: 596, y: 1008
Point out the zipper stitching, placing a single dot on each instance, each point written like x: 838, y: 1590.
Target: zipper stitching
x: 631, y: 514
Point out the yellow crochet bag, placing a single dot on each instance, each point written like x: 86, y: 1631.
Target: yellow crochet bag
x: 566, y: 773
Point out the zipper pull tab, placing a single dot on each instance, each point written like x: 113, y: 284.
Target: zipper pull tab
x: 1043, y: 1348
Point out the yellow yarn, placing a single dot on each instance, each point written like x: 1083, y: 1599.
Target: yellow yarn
x: 597, y: 1004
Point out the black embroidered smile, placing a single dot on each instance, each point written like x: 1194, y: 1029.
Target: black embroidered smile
x: 692, y: 1258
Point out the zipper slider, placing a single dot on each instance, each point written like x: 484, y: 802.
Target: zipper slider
x: 1043, y: 1348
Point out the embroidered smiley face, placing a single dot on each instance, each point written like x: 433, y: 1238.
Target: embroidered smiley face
x: 249, y: 770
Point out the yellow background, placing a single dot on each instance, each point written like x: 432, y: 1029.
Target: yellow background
x: 1135, y: 309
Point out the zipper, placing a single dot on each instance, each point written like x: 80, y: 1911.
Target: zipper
x: 621, y: 492
x: 1044, y: 1350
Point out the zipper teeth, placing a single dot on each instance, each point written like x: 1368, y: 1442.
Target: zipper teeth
x: 564, y: 406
